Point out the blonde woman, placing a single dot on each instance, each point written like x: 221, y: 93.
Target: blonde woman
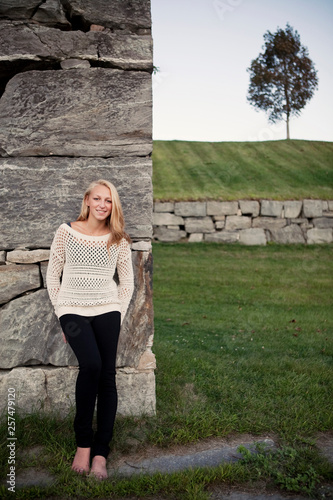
x: 91, y: 306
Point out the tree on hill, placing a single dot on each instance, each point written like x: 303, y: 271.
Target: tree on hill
x: 282, y: 78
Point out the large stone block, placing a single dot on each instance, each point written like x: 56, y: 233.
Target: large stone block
x: 166, y: 219
x: 23, y: 43
x: 237, y: 222
x: 199, y: 225
x: 292, y: 208
x: 252, y: 236
x: 165, y: 234
x: 271, y: 208
x: 124, y: 15
x: 190, y: 208
x: 317, y: 235
x: 127, y: 16
x: 42, y: 193
x: 97, y: 112
x: 250, y: 207
x: 323, y: 222
x: 136, y: 392
x: 223, y: 237
x: 26, y: 257
x: 30, y: 333
x: 29, y: 385
x: 18, y: 9
x: 53, y: 390
x: 222, y: 207
x: 164, y: 206
x: 312, y: 208
x: 15, y: 280
x: 269, y: 223
x: 288, y: 234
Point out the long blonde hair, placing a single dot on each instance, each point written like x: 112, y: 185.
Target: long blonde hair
x: 115, y: 222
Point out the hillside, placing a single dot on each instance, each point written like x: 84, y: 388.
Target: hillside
x: 278, y: 170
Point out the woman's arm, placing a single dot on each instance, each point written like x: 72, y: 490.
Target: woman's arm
x: 125, y: 275
x: 55, y: 266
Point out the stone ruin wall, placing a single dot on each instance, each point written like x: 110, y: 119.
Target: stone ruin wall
x: 250, y: 222
x: 75, y: 106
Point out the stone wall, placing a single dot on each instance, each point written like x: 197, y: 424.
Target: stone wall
x: 75, y: 106
x: 250, y: 222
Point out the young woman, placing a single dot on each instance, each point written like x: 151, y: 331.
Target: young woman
x: 91, y: 304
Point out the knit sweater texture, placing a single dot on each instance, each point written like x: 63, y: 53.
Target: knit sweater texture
x: 81, y: 274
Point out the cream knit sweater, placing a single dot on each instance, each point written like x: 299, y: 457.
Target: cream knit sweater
x: 88, y: 286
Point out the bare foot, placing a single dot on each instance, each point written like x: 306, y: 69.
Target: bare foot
x: 81, y: 461
x: 98, y: 467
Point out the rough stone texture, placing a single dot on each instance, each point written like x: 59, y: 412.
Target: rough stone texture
x: 223, y: 237
x: 190, y: 208
x: 43, y: 269
x: 268, y: 223
x: 288, y: 234
x: 143, y: 246
x: 164, y: 206
x: 222, y: 207
x: 249, y: 207
x: 162, y: 233
x: 237, y: 222
x: 323, y: 222
x: 15, y: 280
x: 53, y: 389
x: 312, y: 208
x: 2, y: 257
x: 120, y: 17
x: 82, y: 12
x: 55, y: 187
x: 136, y: 392
x: 26, y: 257
x: 330, y: 205
x: 18, y: 9
x: 317, y: 235
x: 30, y: 333
x: 220, y: 224
x: 69, y: 113
x: 74, y: 64
x: 271, y: 208
x: 51, y: 13
x: 292, y: 209
x: 29, y: 385
x: 195, y: 238
x: 199, y: 225
x: 22, y: 43
x: 166, y: 219
x: 252, y: 237
x: 138, y: 327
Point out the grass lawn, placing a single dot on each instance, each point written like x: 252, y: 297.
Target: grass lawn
x: 244, y: 345
x: 293, y: 169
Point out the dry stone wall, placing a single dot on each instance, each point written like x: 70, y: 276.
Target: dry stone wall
x: 250, y: 222
x: 75, y: 106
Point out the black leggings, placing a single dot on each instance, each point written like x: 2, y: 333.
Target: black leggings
x: 94, y: 341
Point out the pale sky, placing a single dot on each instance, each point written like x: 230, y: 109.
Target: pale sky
x: 203, y: 48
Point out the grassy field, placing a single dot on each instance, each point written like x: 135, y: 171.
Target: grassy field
x: 244, y: 345
x: 242, y: 170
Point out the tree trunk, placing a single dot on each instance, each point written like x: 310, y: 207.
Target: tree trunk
x: 288, y: 135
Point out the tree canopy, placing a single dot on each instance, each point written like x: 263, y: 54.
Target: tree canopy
x: 282, y: 78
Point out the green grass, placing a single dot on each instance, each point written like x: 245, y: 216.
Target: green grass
x: 244, y: 345
x: 291, y: 169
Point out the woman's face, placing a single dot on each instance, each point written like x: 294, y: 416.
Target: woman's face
x: 100, y: 202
